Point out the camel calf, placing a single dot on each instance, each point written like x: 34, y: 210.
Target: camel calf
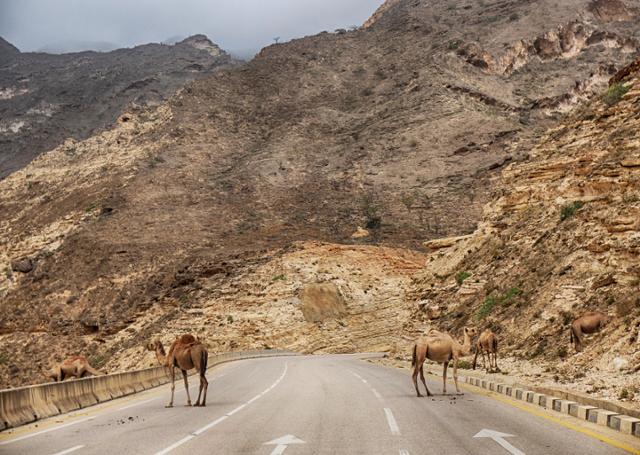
x: 588, y: 323
x: 77, y: 366
x: 487, y: 344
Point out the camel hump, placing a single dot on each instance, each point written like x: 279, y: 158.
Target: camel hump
x: 73, y: 359
x: 188, y: 340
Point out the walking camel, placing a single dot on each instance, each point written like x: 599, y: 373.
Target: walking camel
x: 440, y: 347
x: 487, y: 344
x: 186, y: 353
x: 588, y: 323
x: 76, y: 366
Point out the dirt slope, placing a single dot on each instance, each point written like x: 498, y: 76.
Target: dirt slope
x: 387, y: 135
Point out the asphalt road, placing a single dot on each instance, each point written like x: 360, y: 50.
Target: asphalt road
x: 312, y: 405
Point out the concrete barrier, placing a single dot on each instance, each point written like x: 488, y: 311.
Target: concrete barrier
x: 27, y: 404
x: 605, y: 413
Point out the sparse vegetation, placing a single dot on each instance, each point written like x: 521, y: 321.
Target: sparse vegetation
x: 614, y: 93
x: 570, y: 209
x: 370, y: 211
x: 90, y: 207
x: 464, y: 364
x: 229, y: 319
x: 453, y: 45
x: 97, y: 361
x: 461, y: 276
x: 280, y: 277
x: 491, y: 301
x: 4, y: 358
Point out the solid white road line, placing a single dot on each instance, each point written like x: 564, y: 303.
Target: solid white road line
x: 31, y: 435
x: 72, y: 449
x: 224, y: 417
x: 391, y: 420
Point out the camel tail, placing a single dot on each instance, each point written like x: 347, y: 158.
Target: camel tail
x: 204, y: 358
x: 571, y: 333
x: 413, y: 357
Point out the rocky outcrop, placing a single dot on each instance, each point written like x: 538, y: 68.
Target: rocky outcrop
x: 562, y: 237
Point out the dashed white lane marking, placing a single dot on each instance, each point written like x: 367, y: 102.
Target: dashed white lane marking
x: 376, y: 393
x: 391, y: 420
x: 31, y: 435
x: 72, y: 449
x: 404, y: 452
x: 224, y: 417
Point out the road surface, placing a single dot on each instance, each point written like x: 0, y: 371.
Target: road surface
x: 305, y: 405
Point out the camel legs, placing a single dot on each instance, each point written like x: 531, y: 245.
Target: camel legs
x: 495, y: 360
x: 173, y: 386
x: 455, y: 376
x: 484, y: 362
x: 444, y: 377
x: 186, y: 386
x: 204, y: 384
x: 414, y: 377
x: 423, y: 381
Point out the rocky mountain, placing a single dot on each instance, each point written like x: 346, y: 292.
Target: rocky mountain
x: 219, y: 211
x: 46, y: 99
x: 561, y: 237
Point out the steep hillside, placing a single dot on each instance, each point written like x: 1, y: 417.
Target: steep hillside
x: 388, y: 135
x: 561, y: 238
x: 46, y: 98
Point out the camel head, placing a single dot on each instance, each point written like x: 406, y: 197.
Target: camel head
x: 470, y: 331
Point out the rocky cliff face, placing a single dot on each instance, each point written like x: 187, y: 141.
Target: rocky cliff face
x: 181, y: 216
x: 46, y: 98
x: 562, y: 237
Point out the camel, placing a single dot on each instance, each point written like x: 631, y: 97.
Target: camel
x: 440, y: 347
x: 588, y: 323
x: 186, y: 353
x: 487, y: 343
x: 77, y: 366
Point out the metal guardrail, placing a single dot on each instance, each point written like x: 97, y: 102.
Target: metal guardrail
x: 28, y: 404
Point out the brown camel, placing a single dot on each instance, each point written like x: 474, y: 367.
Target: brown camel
x: 76, y: 366
x: 590, y: 322
x: 487, y: 344
x: 440, y: 347
x: 186, y: 353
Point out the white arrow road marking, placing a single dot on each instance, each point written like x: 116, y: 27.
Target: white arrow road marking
x: 224, y: 417
x: 499, y: 438
x: 391, y: 420
x: 282, y: 443
x: 72, y: 449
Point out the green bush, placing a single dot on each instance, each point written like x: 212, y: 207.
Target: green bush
x: 279, y: 278
x: 614, y: 93
x: 504, y: 299
x: 461, y: 276
x: 568, y: 210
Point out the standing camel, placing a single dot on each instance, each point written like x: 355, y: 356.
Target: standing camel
x: 487, y: 344
x: 590, y: 322
x: 77, y: 366
x: 186, y: 353
x: 440, y: 347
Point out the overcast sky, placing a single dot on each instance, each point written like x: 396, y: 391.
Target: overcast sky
x: 236, y: 25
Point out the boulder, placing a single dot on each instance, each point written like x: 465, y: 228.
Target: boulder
x: 322, y: 301
x: 24, y: 265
